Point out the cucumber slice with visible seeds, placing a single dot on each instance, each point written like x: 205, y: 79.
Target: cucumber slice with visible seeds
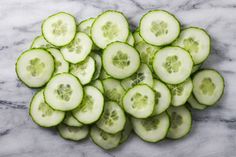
x: 35, y: 67
x: 208, y: 86
x: 104, y: 74
x: 195, y: 104
x: 103, y: 139
x: 42, y: 114
x: 61, y: 65
x: 85, y: 26
x: 91, y: 107
x: 120, y: 60
x: 130, y: 39
x: 78, y: 49
x: 152, y: 129
x: 142, y: 76
x: 181, y: 122
x: 108, y: 27
x: 181, y: 92
x: 98, y: 84
x: 71, y: 121
x: 196, y: 41
x: 137, y: 37
x: 63, y: 92
x: 98, y: 61
x: 162, y: 97
x: 139, y: 101
x: 84, y: 70
x: 196, y: 68
x: 113, y: 118
x: 40, y: 42
x: 158, y: 27
x: 127, y: 130
x: 113, y: 90
x: 172, y: 65
x: 73, y: 133
x: 59, y: 29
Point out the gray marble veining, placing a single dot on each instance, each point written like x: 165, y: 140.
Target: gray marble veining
x: 214, y: 130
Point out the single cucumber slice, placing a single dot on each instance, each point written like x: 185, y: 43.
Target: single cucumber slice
x: 113, y: 118
x: 113, y: 90
x: 98, y: 61
x: 120, y: 60
x: 91, y: 107
x: 73, y: 133
x: 71, y: 121
x: 181, y: 122
x: 35, y: 67
x: 103, y: 139
x: 162, y: 97
x: 172, y: 65
x: 78, y: 49
x: 137, y: 37
x: 130, y: 39
x: 196, y: 68
x: 59, y: 29
x: 61, y: 65
x: 181, y: 92
x: 40, y: 42
x: 104, y: 74
x: 42, y: 114
x: 84, y: 70
x: 127, y: 130
x: 139, y: 101
x: 208, y: 86
x: 98, y: 84
x: 195, y: 104
x: 158, y: 27
x: 63, y: 92
x: 196, y: 41
x: 152, y: 129
x: 142, y: 76
x: 108, y: 27
x: 85, y: 26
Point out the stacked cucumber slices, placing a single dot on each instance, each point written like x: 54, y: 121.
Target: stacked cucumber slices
x: 97, y: 78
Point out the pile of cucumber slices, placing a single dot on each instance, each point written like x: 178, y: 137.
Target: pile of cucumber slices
x: 98, y: 78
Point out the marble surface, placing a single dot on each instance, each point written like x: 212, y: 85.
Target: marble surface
x: 214, y: 130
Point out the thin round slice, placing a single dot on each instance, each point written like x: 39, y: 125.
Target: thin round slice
x: 91, y: 107
x: 181, y: 122
x: 127, y: 130
x: 98, y: 64
x: 63, y: 92
x: 59, y: 29
x: 159, y: 27
x: 35, y: 67
x: 196, y: 41
x: 120, y: 60
x: 152, y: 129
x: 196, y: 68
x: 78, y: 49
x: 98, y: 84
x: 42, y: 114
x: 104, y: 74
x: 172, y: 65
x: 40, y: 42
x: 85, y: 26
x: 73, y: 133
x: 71, y: 121
x: 208, y: 86
x: 130, y: 39
x: 195, y: 104
x: 108, y: 27
x: 139, y: 101
x: 137, y: 37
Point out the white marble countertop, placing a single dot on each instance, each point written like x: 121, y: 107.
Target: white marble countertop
x: 214, y: 130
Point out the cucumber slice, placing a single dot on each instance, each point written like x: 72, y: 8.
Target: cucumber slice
x: 61, y: 65
x: 113, y: 90
x: 78, y: 49
x: 130, y: 39
x: 35, y: 67
x: 98, y: 84
x: 91, y: 107
x: 127, y: 130
x: 162, y: 97
x: 104, y: 75
x: 98, y: 61
x: 181, y: 122
x: 195, y: 104
x: 108, y: 27
x: 71, y: 121
x: 139, y: 101
x: 196, y: 68
x: 73, y: 133
x: 85, y: 26
x: 63, y: 92
x: 181, y: 92
x: 137, y: 37
x: 159, y: 27
x: 40, y: 42
x: 172, y: 65
x: 42, y: 114
x: 103, y: 139
x: 208, y: 86
x: 196, y: 41
x: 152, y: 129
x: 120, y: 60
x: 142, y: 76
x: 113, y: 118
x: 84, y: 70
x: 59, y: 29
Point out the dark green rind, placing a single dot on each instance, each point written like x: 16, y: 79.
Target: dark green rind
x: 125, y: 138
